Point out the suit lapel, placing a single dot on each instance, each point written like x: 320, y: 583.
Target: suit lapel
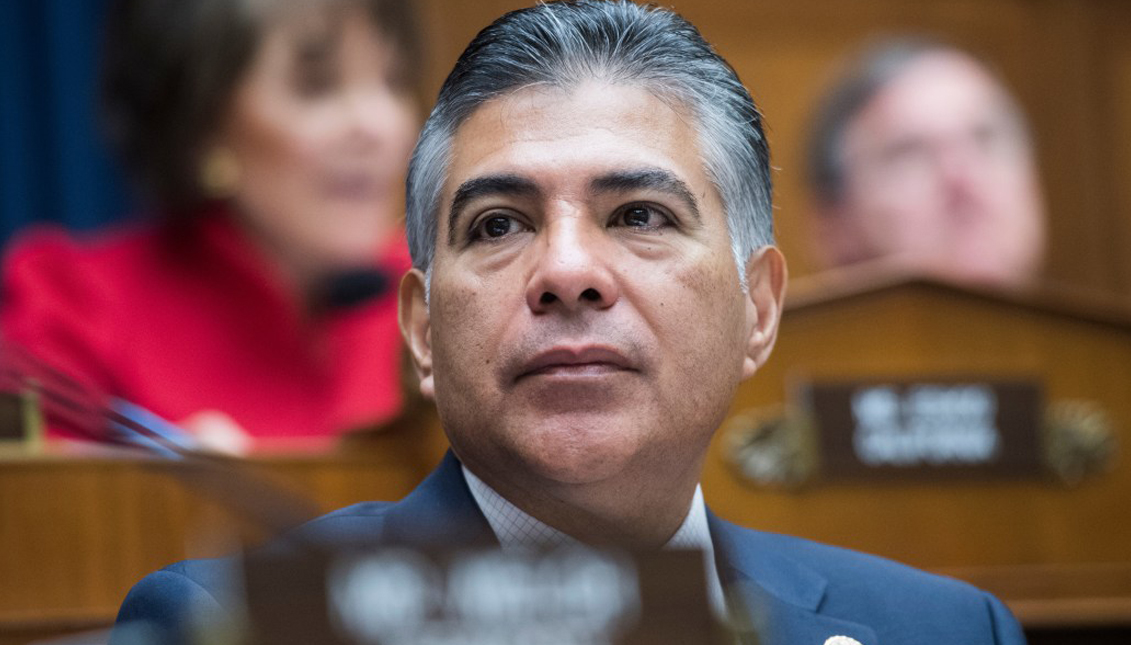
x: 776, y: 596
x: 440, y: 512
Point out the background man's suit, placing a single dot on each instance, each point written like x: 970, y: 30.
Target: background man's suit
x: 806, y: 591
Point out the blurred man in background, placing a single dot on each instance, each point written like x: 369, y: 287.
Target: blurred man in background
x: 920, y: 157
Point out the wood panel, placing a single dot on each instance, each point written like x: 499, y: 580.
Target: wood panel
x: 1064, y: 92
x: 1048, y: 549
x: 1115, y: 122
x: 80, y: 525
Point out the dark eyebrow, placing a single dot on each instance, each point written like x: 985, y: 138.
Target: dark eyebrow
x: 656, y: 179
x: 511, y: 185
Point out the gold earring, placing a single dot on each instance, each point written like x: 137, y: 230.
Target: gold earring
x: 220, y: 173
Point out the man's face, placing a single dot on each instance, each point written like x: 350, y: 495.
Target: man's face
x: 939, y: 173
x: 586, y: 320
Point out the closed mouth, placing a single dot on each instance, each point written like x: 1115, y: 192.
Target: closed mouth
x: 581, y: 362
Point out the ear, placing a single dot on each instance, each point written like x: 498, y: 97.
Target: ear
x: 766, y: 277
x: 416, y: 328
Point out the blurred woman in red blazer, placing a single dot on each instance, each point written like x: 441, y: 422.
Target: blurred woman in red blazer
x: 258, y: 300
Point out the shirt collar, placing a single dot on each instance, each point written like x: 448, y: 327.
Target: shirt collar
x: 516, y: 528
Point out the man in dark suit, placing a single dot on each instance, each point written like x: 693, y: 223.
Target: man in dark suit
x: 590, y: 224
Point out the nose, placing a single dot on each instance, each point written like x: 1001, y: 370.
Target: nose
x: 963, y: 173
x: 573, y: 269
x: 957, y: 160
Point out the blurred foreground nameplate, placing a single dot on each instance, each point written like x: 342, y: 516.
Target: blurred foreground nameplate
x: 926, y: 428
x: 400, y: 596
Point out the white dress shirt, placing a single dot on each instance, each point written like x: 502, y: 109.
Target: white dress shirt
x: 516, y: 528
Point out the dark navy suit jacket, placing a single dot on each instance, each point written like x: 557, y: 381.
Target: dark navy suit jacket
x: 802, y: 592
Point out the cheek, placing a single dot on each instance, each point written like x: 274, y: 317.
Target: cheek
x: 403, y: 129
x: 875, y: 205
x: 280, y: 145
x: 1018, y: 190
x: 895, y: 220
x: 296, y: 157
x: 278, y: 174
x: 462, y: 336
x: 702, y: 337
x: 704, y: 317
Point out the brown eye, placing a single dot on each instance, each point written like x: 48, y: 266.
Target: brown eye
x: 641, y: 216
x: 497, y: 226
x: 637, y: 217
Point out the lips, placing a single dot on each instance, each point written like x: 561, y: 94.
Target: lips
x: 575, y: 362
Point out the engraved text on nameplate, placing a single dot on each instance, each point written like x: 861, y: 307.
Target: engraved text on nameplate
x: 927, y: 428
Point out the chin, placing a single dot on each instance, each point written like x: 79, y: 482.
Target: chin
x: 579, y: 452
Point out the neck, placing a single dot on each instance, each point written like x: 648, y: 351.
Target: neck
x: 631, y: 512
x: 297, y: 273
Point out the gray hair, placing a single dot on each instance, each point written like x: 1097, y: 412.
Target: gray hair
x: 563, y: 44
x: 859, y: 82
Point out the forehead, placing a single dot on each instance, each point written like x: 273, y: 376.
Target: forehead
x: 940, y: 91
x: 562, y: 138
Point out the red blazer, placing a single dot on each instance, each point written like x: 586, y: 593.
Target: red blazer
x: 193, y: 321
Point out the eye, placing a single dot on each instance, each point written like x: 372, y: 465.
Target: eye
x: 907, y: 151
x: 315, y: 81
x: 495, y: 227
x: 641, y: 216
x: 314, y: 68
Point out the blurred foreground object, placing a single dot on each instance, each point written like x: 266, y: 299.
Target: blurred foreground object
x: 261, y: 293
x: 919, y: 155
x: 402, y: 596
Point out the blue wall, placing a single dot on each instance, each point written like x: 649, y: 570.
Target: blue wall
x: 53, y: 164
